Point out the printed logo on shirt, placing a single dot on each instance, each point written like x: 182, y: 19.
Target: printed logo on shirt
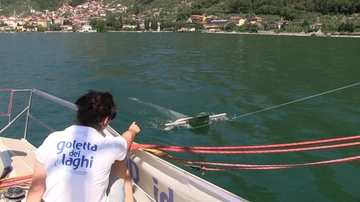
x: 72, y: 156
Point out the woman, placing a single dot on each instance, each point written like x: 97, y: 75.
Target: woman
x: 74, y: 164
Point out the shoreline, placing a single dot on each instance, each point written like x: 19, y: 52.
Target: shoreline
x: 264, y: 33
x: 301, y: 34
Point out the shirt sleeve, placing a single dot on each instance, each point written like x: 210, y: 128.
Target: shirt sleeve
x: 120, y: 148
x: 42, y: 151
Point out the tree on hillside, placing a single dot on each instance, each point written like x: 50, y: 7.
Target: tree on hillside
x: 183, y: 14
x: 154, y: 25
x: 118, y: 24
x: 75, y: 3
x: 93, y: 23
x: 101, y: 26
x: 136, y: 7
x: 50, y: 5
x: 55, y: 27
x: 146, y: 24
x: 110, y: 19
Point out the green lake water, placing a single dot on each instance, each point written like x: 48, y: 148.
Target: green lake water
x: 260, y: 80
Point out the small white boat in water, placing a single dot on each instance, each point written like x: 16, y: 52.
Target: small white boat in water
x: 154, y: 179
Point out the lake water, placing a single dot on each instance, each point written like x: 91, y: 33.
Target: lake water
x: 280, y: 89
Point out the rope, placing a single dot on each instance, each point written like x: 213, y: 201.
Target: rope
x: 197, y: 165
x: 176, y: 149
x: 262, y: 149
x: 272, y: 167
x: 165, y: 155
x: 196, y: 149
x: 8, y: 182
x: 294, y: 101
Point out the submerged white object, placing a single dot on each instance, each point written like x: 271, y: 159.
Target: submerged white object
x: 188, y: 120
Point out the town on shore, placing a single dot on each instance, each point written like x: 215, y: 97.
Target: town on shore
x: 79, y: 19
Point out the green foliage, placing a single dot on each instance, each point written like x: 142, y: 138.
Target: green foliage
x: 154, y: 25
x: 183, y: 14
x: 41, y: 29
x: 346, y: 27
x: 118, y: 24
x: 238, y: 6
x: 7, y: 7
x: 101, y: 26
x: 50, y: 5
x: 75, y: 3
x: 173, y: 14
x: 55, y: 27
x: 130, y: 21
x: 146, y: 24
x: 110, y: 19
x: 93, y: 23
x: 181, y: 10
x: 67, y: 22
x: 136, y: 8
x: 230, y: 26
x: 293, y: 27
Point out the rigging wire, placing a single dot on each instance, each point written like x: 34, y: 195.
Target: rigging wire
x: 294, y: 101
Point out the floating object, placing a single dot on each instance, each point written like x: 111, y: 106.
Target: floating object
x: 196, y: 121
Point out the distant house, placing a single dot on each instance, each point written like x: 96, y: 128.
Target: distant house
x: 316, y: 25
x: 20, y: 28
x: 272, y: 26
x: 66, y: 27
x: 129, y: 26
x: 238, y: 20
x: 140, y: 17
x: 31, y: 29
x: 59, y: 20
x: 2, y: 18
x: 280, y: 23
x: 215, y: 24
x: 256, y: 19
x: 86, y: 28
x: 43, y: 23
x: 10, y: 23
x: 219, y: 22
x: 196, y: 19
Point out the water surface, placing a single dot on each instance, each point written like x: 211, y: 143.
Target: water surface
x: 213, y: 73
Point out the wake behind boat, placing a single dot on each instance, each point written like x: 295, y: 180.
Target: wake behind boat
x: 154, y: 179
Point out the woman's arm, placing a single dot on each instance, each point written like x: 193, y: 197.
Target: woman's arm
x: 130, y: 134
x: 120, y: 171
x: 38, y: 186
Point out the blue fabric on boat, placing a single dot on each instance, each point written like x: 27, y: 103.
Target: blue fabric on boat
x: 116, y: 189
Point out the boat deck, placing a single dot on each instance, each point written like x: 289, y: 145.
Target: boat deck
x: 22, y: 155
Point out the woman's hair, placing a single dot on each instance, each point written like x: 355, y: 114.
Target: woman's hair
x: 94, y: 107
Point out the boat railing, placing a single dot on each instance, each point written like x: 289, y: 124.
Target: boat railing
x: 27, y: 109
x: 9, y: 108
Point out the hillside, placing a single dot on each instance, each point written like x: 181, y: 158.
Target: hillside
x: 288, y: 9
x: 294, y: 16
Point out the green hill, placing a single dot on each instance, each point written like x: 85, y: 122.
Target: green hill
x: 289, y: 9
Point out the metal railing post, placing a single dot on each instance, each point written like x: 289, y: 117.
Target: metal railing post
x: 27, y: 114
